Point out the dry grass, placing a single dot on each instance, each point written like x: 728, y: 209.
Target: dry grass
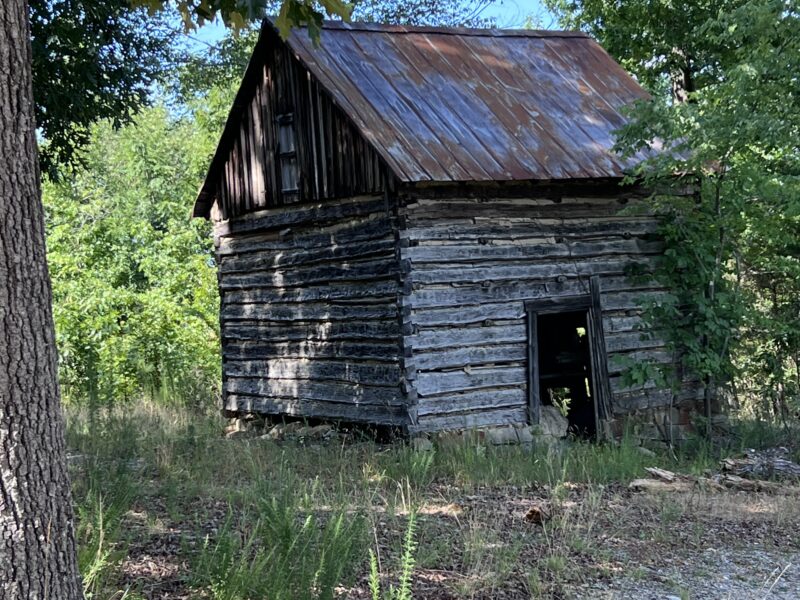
x: 171, y: 509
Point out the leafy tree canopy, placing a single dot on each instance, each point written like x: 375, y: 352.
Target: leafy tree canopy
x: 92, y: 60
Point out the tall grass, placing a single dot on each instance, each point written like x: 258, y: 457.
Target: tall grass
x: 299, y: 517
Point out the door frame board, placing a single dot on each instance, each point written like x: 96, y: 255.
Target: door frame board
x: 590, y: 304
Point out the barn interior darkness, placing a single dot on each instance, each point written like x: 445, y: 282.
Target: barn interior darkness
x: 565, y: 371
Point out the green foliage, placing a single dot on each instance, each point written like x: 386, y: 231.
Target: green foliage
x: 446, y: 13
x: 92, y: 60
x: 407, y: 563
x: 728, y: 186
x: 278, y: 552
x: 134, y: 287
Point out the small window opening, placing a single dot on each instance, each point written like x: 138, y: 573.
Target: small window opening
x: 287, y: 156
x: 565, y: 371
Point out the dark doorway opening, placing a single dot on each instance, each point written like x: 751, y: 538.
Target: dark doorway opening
x: 565, y: 368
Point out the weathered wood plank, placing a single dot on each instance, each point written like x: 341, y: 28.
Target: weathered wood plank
x: 314, y: 390
x: 440, y: 382
x: 372, y: 227
x: 571, y: 268
x: 286, y: 278
x: 294, y: 215
x: 470, y: 420
x: 467, y: 336
x: 462, y: 357
x: 273, y: 332
x: 354, y: 350
x: 373, y: 289
x: 604, y: 229
x: 347, y: 371
x: 446, y: 253
x: 620, y: 293
x: 308, y: 311
x: 473, y: 400
x: 260, y: 261
x: 365, y: 413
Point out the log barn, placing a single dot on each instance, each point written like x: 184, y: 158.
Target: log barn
x: 426, y: 228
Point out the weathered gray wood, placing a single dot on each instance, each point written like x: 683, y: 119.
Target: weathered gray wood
x: 465, y: 315
x: 316, y: 370
x: 473, y: 400
x: 266, y: 260
x: 358, y: 350
x: 597, y: 349
x: 602, y: 229
x: 364, y: 229
x: 440, y: 382
x: 478, y: 418
x: 335, y: 291
x: 619, y: 292
x: 365, y: 413
x: 461, y: 357
x: 376, y: 269
x: 313, y: 390
x: 307, y: 311
x: 467, y: 336
x: 246, y: 330
x: 635, y: 340
x: 446, y: 253
x: 295, y: 215
x: 573, y: 268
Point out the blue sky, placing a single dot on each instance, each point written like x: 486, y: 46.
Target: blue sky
x: 509, y: 14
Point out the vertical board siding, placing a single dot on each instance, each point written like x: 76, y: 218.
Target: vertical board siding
x: 471, y: 264
x: 334, y: 160
x: 309, y: 316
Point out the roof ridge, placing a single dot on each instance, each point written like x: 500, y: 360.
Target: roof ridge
x: 467, y: 31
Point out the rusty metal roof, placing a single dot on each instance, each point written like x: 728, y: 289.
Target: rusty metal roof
x: 461, y: 105
x: 476, y: 104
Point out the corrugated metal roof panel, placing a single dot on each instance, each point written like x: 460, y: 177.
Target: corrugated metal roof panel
x: 476, y: 105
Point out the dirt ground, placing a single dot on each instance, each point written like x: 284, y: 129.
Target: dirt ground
x: 593, y: 542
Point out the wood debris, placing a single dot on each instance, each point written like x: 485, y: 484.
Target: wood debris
x: 747, y: 474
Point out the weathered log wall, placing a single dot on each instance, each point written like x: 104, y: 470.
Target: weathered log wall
x: 309, y: 314
x: 470, y: 263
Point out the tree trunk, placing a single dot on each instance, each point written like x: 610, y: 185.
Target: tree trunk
x: 37, y: 542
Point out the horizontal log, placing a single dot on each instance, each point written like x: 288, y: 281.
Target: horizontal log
x: 635, y: 340
x: 373, y: 289
x: 571, y: 268
x: 615, y: 361
x: 551, y: 227
x: 313, y: 409
x: 474, y: 400
x: 275, y: 218
x: 308, y: 311
x: 315, y: 370
x: 467, y: 336
x: 470, y: 420
x: 464, y: 315
x: 236, y: 349
x: 617, y: 324
x: 374, y: 227
x: 323, y: 330
x: 327, y: 391
x: 377, y: 269
x: 446, y: 253
x: 500, y: 205
x: 554, y: 210
x: 440, y: 382
x: 641, y: 399
x: 267, y: 260
x: 462, y: 357
x: 450, y: 295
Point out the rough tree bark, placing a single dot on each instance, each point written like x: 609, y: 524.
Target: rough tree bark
x: 37, y: 543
